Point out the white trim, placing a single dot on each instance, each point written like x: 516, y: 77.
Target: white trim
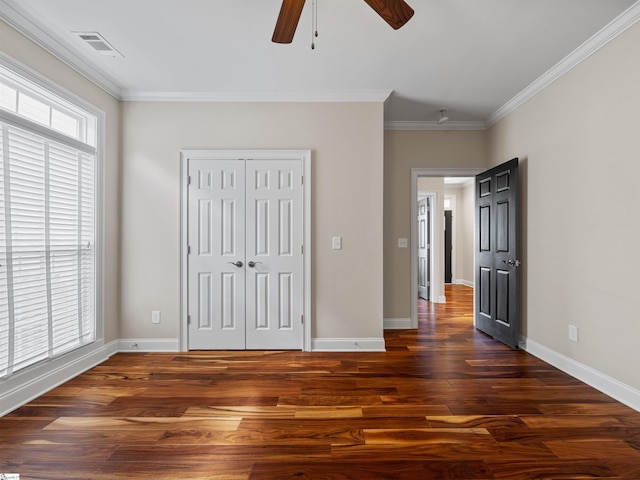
x: 82, y: 108
x: 348, y: 345
x: 338, y: 96
x: 625, y: 20
x: 45, y: 132
x: 411, y: 125
x: 466, y: 283
x: 148, y: 345
x: 427, y: 172
x: 24, y: 386
x: 37, y: 33
x: 305, y: 157
x: 184, y: 228
x: 598, y: 380
x: 397, y: 323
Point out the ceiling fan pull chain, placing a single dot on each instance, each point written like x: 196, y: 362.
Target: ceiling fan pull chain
x: 314, y: 23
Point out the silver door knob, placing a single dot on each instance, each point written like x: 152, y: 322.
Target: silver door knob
x: 513, y: 263
x: 252, y: 263
x: 237, y: 264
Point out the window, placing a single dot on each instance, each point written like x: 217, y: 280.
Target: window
x: 48, y: 211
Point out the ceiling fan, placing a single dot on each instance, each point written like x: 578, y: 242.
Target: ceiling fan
x: 395, y: 12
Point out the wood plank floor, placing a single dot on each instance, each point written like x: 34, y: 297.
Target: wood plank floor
x: 444, y: 402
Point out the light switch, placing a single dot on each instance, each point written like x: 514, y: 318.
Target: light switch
x: 155, y: 316
x: 336, y: 243
x: 403, y: 243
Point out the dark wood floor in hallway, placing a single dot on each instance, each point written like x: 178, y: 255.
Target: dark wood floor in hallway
x: 444, y: 402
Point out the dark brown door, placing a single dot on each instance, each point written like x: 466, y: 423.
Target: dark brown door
x: 497, y: 260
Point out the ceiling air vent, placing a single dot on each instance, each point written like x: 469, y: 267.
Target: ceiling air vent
x: 99, y: 44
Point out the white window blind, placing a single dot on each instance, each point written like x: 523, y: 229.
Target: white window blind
x: 47, y: 237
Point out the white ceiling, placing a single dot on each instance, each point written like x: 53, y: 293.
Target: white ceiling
x: 470, y: 56
x: 455, y: 182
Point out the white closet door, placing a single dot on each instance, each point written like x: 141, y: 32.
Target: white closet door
x: 216, y: 230
x: 274, y: 288
x: 245, y: 235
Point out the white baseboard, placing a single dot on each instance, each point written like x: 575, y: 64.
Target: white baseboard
x: 25, y: 386
x: 34, y: 382
x: 397, y: 323
x: 148, y: 345
x: 442, y: 299
x: 466, y: 283
x: 348, y: 345
x: 598, y: 380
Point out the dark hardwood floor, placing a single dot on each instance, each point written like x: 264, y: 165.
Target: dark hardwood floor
x: 444, y: 402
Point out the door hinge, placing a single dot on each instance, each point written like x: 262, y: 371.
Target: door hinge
x: 188, y: 250
x: 302, y: 319
x: 302, y: 249
x: 302, y: 180
x: 188, y: 319
x: 188, y: 179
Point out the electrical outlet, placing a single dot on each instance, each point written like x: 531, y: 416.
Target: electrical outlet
x: 155, y: 316
x: 336, y: 243
x: 573, y: 333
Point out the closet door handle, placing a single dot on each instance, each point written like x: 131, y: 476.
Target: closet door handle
x: 252, y: 263
x: 237, y: 264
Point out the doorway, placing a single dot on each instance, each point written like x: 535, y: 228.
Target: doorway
x: 245, y: 250
x: 448, y: 246
x: 437, y: 242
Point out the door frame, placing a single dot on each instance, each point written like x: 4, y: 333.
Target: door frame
x: 415, y: 174
x: 220, y: 154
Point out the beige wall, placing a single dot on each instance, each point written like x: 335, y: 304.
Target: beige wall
x: 347, y: 187
x: 404, y: 150
x: 26, y: 52
x: 347, y: 167
x: 579, y: 144
x: 466, y: 236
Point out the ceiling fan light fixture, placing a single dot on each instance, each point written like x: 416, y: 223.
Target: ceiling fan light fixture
x: 443, y: 116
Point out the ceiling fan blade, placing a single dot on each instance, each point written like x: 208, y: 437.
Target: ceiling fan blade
x: 395, y: 12
x: 287, y: 21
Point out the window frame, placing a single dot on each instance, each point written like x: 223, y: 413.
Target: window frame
x: 43, y: 95
x: 57, y: 369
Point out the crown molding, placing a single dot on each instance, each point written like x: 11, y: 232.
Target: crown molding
x: 616, y: 27
x: 434, y: 126
x: 14, y: 16
x: 38, y: 34
x: 270, y: 96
